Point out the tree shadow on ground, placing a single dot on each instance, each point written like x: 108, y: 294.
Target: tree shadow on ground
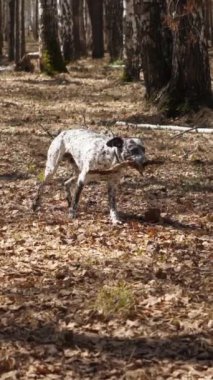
x: 187, y: 347
x: 184, y: 186
x: 56, y: 81
x: 13, y: 176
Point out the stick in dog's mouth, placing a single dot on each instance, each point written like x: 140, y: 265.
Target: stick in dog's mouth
x: 124, y: 165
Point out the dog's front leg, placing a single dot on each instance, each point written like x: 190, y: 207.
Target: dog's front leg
x: 40, y: 190
x: 37, y: 200
x: 68, y: 185
x: 112, y: 203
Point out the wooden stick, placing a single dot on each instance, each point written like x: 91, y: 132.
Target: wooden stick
x: 125, y: 164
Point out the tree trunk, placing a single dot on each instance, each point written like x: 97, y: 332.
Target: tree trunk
x: 5, y: 20
x: 156, y: 41
x: 208, y: 19
x: 51, y: 60
x: 211, y: 21
x: 79, y: 29
x: 35, y: 21
x: 17, y: 32
x: 23, y: 48
x: 190, y: 83
x: 132, y: 39
x: 65, y: 13
x: 82, y: 27
x: 11, y: 32
x: 1, y: 29
x: 96, y: 16
x: 87, y: 26
x: 114, y: 28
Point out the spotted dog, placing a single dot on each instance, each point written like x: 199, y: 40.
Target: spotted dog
x: 93, y: 157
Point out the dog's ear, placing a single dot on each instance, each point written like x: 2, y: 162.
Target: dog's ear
x: 117, y: 142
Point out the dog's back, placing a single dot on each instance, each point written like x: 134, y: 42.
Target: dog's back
x: 87, y: 149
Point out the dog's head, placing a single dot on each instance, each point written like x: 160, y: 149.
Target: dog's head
x: 131, y: 149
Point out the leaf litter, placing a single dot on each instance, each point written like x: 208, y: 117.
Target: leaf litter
x: 82, y: 299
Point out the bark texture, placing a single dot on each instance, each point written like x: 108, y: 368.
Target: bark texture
x: 79, y: 28
x: 1, y: 29
x: 190, y: 82
x: 114, y: 28
x: 22, y: 31
x: 11, y: 31
x: 175, y: 55
x: 65, y: 18
x: 51, y: 59
x: 17, y: 32
x: 132, y: 39
x: 156, y: 46
x: 96, y: 16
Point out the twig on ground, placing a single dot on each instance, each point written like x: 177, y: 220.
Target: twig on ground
x: 182, y: 133
x: 48, y: 132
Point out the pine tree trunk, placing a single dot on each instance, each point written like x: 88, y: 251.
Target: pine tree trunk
x: 35, y: 21
x: 1, y: 29
x: 79, y: 29
x: 65, y: 15
x: 87, y: 26
x: 96, y: 15
x: 211, y: 21
x: 17, y: 32
x: 23, y: 47
x: 156, y: 46
x: 11, y: 32
x: 51, y: 60
x: 132, y: 39
x: 114, y: 28
x: 190, y: 83
x: 208, y: 19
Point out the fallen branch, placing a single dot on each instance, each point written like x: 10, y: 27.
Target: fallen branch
x: 183, y: 133
x: 166, y: 127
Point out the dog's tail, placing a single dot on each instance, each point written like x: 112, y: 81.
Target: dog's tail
x: 55, y: 154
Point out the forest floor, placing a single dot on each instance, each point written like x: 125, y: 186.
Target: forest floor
x: 82, y: 299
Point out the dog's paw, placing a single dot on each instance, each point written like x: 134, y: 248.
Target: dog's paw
x: 72, y: 213
x: 34, y: 206
x: 117, y: 222
x: 115, y: 219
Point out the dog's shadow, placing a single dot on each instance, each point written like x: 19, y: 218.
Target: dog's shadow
x: 153, y: 217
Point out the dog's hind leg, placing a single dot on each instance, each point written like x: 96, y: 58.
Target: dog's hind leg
x: 55, y: 154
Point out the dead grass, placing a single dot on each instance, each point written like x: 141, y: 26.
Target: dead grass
x: 117, y: 299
